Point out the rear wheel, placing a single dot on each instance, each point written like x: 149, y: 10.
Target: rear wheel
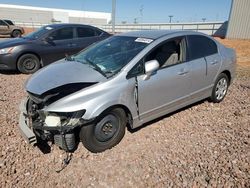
x: 220, y: 88
x: 28, y: 63
x: 106, y: 133
x: 16, y: 33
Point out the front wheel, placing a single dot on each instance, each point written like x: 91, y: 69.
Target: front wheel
x: 106, y: 133
x: 220, y: 88
x: 28, y: 63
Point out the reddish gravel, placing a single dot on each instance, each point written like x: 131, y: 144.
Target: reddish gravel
x: 203, y: 145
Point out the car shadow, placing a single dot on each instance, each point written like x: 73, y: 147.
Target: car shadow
x: 164, y: 116
x: 8, y: 72
x: 45, y: 148
x: 4, y: 36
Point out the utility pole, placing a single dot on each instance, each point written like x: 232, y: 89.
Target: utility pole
x: 113, y: 15
x: 141, y: 13
x: 170, y: 18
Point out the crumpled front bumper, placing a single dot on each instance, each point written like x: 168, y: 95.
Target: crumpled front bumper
x: 23, y: 125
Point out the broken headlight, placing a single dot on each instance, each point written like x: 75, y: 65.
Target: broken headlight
x: 53, y: 119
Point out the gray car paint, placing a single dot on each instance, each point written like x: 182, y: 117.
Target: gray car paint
x: 62, y: 73
x: 155, y: 100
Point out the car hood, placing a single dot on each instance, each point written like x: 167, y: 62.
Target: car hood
x: 14, y: 42
x: 63, y: 73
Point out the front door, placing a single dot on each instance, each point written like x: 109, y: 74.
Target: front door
x: 62, y: 44
x: 169, y: 87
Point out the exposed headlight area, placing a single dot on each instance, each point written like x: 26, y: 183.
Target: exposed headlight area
x: 6, y: 50
x: 41, y: 118
x: 53, y: 119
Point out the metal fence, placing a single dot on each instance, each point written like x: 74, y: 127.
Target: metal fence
x: 210, y: 28
x: 32, y: 25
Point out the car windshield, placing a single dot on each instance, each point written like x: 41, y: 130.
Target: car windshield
x: 38, y: 33
x: 111, y: 55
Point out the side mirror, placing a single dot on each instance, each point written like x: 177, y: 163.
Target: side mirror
x: 150, y: 67
x: 49, y: 40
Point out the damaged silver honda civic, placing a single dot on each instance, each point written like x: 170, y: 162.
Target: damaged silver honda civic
x: 126, y: 80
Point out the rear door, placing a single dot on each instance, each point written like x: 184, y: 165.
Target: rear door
x: 86, y: 36
x: 204, y: 61
x: 4, y: 28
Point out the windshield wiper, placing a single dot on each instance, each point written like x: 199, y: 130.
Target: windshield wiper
x: 94, y: 66
x: 69, y: 57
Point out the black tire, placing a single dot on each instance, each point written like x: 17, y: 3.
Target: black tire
x: 28, y: 63
x: 16, y: 33
x: 220, y: 88
x: 100, y: 137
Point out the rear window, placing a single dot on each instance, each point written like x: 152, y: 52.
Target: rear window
x: 85, y: 32
x: 200, y: 46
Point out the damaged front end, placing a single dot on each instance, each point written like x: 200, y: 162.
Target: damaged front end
x: 45, y: 88
x: 36, y: 124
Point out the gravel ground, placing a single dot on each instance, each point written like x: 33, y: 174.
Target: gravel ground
x: 204, y: 145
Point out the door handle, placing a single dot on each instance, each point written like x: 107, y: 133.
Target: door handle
x: 183, y: 72
x: 214, y: 62
x: 71, y: 45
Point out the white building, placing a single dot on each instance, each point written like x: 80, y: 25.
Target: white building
x: 37, y: 15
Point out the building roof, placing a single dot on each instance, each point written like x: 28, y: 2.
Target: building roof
x: 72, y: 13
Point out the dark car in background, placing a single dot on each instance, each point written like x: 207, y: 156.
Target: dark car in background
x: 7, y: 27
x: 46, y: 45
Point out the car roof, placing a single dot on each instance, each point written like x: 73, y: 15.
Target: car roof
x: 155, y: 34
x: 66, y: 24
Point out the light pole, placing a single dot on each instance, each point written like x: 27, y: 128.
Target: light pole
x: 141, y: 12
x: 203, y: 19
x: 113, y: 15
x: 170, y: 18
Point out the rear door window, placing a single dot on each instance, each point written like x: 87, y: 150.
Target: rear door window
x: 63, y: 34
x: 200, y: 46
x: 2, y: 23
x: 85, y: 32
x: 9, y: 22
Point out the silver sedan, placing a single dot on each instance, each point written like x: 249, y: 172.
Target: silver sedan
x: 125, y: 80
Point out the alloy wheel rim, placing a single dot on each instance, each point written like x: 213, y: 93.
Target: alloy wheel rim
x: 221, y: 89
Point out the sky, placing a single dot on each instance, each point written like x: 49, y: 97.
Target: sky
x: 144, y: 11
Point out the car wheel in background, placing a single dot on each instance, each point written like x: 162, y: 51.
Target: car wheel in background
x: 16, y: 33
x: 28, y: 63
x: 220, y: 88
x: 106, y: 133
